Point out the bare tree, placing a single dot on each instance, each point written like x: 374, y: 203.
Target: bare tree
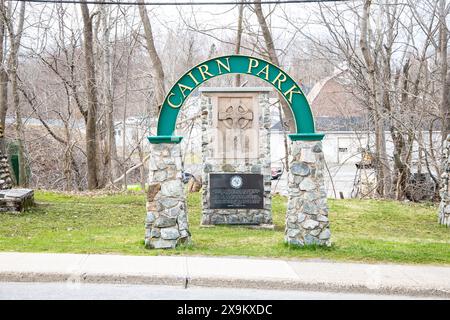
x: 273, y: 57
x: 270, y: 47
x: 154, y: 57
x: 15, y: 36
x: 3, y: 73
x: 91, y: 91
x: 443, y: 57
x: 237, y: 50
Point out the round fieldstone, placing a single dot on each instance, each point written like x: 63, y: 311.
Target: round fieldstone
x: 313, y: 195
x: 217, y: 219
x: 172, y: 188
x: 309, y: 239
x: 163, y: 222
x: 300, y: 169
x: 168, y: 202
x: 291, y: 204
x: 310, y: 224
x: 161, y: 244
x: 159, y: 175
x: 150, y: 217
x: 301, y: 217
x: 307, y: 185
x: 322, y: 218
x: 182, y: 222
x: 175, y: 211
x: 170, y: 233
x: 293, y: 233
x: 325, y: 234
x: 256, y: 169
x: 184, y: 234
x: 309, y: 208
x: 155, y: 233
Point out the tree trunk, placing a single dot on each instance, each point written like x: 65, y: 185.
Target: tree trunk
x: 154, y: 57
x: 3, y: 78
x: 443, y: 56
x: 13, y: 63
x: 288, y: 117
x: 111, y: 166
x: 376, y: 103
x: 237, y: 50
x: 91, y: 92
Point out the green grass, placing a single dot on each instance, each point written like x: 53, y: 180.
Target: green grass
x: 362, y: 230
x: 135, y: 187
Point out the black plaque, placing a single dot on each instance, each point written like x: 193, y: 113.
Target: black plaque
x: 236, y: 191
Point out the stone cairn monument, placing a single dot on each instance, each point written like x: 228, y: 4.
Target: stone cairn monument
x: 5, y: 175
x: 307, y: 212
x: 444, y: 207
x: 236, y: 156
x: 236, y: 177
x: 166, y: 224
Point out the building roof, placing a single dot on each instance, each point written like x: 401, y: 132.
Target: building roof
x: 334, y: 96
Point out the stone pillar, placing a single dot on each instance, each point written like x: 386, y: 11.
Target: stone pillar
x: 166, y: 224
x: 307, y: 212
x: 444, y: 207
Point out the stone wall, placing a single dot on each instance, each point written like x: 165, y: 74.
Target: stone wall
x: 166, y: 224
x: 307, y: 212
x: 261, y: 164
x: 444, y: 207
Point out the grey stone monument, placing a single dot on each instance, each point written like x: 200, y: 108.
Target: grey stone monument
x: 236, y: 156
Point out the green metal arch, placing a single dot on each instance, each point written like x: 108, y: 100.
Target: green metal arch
x: 230, y: 64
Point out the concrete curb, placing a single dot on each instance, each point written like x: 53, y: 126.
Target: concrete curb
x: 71, y: 278
x: 90, y: 278
x: 321, y: 287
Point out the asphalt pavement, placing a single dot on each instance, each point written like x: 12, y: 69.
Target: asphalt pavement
x: 89, y: 291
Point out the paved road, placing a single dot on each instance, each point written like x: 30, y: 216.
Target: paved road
x: 343, y: 176
x: 81, y: 291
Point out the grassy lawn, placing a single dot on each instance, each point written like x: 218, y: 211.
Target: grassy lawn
x: 362, y: 230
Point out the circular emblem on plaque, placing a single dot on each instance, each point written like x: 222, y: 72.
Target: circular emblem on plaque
x: 236, y: 182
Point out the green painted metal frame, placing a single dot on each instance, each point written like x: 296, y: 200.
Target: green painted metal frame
x: 231, y: 64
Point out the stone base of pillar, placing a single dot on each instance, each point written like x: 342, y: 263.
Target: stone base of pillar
x: 444, y: 207
x: 166, y: 225
x: 307, y: 212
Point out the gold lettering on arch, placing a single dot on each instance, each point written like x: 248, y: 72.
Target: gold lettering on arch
x: 221, y: 65
x: 175, y: 106
x: 184, y: 88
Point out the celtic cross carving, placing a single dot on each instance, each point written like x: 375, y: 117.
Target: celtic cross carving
x: 238, y: 117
